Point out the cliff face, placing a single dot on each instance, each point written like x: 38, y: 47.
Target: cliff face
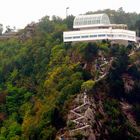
x: 105, y: 110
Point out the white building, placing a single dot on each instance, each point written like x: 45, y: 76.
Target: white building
x: 98, y: 27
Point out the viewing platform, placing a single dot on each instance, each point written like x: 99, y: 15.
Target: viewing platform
x: 98, y: 27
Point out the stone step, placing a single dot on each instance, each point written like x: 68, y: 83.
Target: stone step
x: 86, y: 126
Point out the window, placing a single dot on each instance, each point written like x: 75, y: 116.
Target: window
x: 101, y: 35
x: 68, y: 37
x: 124, y: 35
x: 84, y: 36
x: 109, y: 35
x: 93, y: 35
x: 74, y: 37
x: 120, y: 35
x: 131, y: 37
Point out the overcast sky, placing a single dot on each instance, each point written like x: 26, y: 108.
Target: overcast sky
x: 21, y: 12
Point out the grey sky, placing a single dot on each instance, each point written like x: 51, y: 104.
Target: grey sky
x: 21, y: 12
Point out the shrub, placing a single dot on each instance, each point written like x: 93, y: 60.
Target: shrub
x: 88, y: 85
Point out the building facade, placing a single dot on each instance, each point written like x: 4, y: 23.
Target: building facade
x: 98, y: 27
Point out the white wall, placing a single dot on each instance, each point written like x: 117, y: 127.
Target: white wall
x: 99, y: 34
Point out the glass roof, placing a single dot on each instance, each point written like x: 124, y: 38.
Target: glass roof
x: 90, y: 20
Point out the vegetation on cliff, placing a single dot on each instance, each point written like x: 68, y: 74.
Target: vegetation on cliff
x: 39, y: 75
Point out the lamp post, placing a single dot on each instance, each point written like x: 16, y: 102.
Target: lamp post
x: 67, y: 11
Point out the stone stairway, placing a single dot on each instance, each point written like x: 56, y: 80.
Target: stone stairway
x: 80, y: 120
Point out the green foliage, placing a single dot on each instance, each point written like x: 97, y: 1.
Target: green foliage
x: 11, y: 130
x: 89, y: 51
x: 79, y: 136
x: 118, y: 67
x: 15, y: 98
x: 70, y: 125
x: 88, y: 85
x: 69, y: 21
x: 48, y: 134
x: 2, y: 138
x: 112, y: 108
x: 14, y: 130
x: 116, y: 122
x: 39, y: 74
